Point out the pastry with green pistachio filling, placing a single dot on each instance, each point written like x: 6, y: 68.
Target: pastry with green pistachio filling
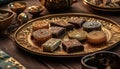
x: 51, y: 45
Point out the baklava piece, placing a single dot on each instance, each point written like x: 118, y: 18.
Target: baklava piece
x: 57, y: 31
x: 51, y: 45
x: 72, y: 45
x: 77, y: 34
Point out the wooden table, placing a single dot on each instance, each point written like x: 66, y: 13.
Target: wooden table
x: 39, y: 62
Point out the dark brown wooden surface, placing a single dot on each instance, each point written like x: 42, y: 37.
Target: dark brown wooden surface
x: 39, y: 62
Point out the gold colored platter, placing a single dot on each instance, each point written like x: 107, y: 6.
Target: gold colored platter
x: 110, y: 9
x: 112, y: 29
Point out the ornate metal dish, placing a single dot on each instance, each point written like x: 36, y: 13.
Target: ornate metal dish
x: 8, y: 62
x: 112, y: 29
x: 96, y: 7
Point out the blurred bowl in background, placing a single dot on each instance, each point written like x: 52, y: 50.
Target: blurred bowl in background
x: 18, y: 6
x: 6, y: 18
x: 57, y: 5
x: 22, y: 18
x: 101, y: 60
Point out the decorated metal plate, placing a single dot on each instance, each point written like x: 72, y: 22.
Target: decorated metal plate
x: 8, y: 62
x: 112, y: 30
x: 109, y: 5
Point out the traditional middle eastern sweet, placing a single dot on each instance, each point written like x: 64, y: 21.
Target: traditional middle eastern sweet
x: 77, y: 23
x: 3, y: 16
x: 40, y: 25
x: 57, y: 31
x: 90, y: 26
x: 96, y: 37
x: 41, y: 35
x: 77, y: 34
x: 51, y: 45
x: 62, y: 23
x: 72, y: 45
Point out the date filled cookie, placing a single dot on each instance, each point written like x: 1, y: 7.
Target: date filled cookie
x: 41, y: 35
x: 96, y: 37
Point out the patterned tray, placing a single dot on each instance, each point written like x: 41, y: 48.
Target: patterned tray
x: 7, y: 62
x: 111, y: 28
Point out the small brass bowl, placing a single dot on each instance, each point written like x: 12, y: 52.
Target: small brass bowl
x: 18, y: 6
x: 35, y: 10
x: 8, y: 17
x: 101, y: 60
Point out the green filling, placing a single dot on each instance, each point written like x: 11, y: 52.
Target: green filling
x: 51, y: 45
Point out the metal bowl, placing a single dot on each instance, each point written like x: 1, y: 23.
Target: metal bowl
x: 18, y: 6
x: 4, y: 23
x: 35, y: 10
x: 101, y: 60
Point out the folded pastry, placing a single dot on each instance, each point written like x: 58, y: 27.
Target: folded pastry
x: 40, y: 25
